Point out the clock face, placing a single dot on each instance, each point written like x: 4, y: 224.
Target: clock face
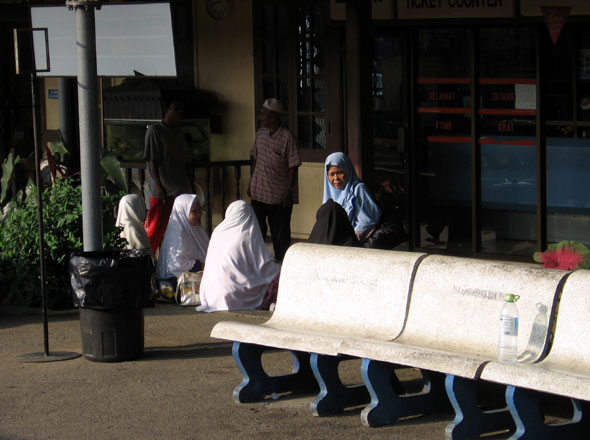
x: 219, y: 9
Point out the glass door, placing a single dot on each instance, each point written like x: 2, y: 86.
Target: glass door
x: 507, y: 134
x: 566, y: 104
x: 390, y: 122
x: 442, y: 139
x: 473, y: 138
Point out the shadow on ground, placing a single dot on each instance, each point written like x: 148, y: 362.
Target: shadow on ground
x: 191, y: 351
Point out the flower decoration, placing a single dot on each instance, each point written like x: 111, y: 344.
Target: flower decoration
x: 565, y: 255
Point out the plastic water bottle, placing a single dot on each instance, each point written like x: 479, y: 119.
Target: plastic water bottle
x: 507, y: 344
x: 538, y: 335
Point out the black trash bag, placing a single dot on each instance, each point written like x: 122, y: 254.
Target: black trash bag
x: 113, y: 280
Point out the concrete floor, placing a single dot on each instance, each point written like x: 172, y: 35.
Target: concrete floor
x: 181, y: 388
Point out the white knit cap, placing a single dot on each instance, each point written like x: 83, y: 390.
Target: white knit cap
x: 273, y: 104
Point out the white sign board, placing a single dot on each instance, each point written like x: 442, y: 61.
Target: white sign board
x: 129, y: 37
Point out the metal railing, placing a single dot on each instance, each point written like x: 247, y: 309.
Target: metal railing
x: 209, y: 168
x: 224, y: 166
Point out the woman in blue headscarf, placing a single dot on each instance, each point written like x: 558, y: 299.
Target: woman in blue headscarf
x: 342, y: 185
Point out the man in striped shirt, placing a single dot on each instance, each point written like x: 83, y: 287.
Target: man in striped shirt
x: 273, y: 184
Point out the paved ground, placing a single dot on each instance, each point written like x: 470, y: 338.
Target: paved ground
x: 180, y: 389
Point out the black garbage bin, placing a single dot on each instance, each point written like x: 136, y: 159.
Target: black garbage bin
x: 111, y: 288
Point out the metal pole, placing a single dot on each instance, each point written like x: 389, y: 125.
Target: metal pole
x: 40, y: 214
x: 46, y: 355
x: 89, y: 123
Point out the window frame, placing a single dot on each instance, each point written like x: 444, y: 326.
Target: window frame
x: 331, y: 40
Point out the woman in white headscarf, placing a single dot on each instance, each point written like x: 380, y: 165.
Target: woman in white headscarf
x: 130, y: 217
x: 240, y: 272
x: 185, y: 242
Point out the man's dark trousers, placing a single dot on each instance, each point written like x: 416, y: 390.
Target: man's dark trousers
x: 279, y: 222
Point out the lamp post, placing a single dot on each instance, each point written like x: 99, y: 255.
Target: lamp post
x: 46, y: 355
x: 89, y: 122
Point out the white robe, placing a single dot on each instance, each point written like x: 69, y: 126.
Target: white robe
x: 183, y: 243
x: 130, y: 217
x: 239, y: 267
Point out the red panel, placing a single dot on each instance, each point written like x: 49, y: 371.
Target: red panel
x: 451, y: 110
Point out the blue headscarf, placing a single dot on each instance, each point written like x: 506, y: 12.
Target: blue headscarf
x: 362, y: 210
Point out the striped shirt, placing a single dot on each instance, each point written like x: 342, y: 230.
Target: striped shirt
x: 274, y: 156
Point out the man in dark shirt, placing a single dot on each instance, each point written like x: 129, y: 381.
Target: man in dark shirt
x: 164, y: 155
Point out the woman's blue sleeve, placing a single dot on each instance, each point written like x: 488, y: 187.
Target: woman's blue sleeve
x: 367, y: 213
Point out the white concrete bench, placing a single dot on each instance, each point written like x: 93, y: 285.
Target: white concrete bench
x: 452, y: 328
x: 327, y: 295
x: 565, y: 371
x: 436, y: 313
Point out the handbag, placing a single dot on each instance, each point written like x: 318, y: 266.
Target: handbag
x: 187, y: 288
x: 389, y: 233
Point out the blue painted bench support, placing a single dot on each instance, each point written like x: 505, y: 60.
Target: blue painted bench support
x: 334, y: 396
x: 389, y: 402
x: 256, y: 383
x: 525, y: 407
x: 321, y: 303
x: 471, y: 419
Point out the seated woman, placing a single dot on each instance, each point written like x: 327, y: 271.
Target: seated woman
x: 130, y: 216
x: 240, y: 272
x: 332, y: 226
x: 185, y: 242
x: 342, y: 185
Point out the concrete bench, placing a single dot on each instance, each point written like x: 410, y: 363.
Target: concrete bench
x: 452, y: 328
x: 327, y: 295
x: 391, y: 309
x: 564, y: 372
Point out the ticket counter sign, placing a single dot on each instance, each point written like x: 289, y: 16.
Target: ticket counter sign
x: 420, y: 9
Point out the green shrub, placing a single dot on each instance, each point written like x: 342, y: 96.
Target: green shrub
x: 62, y: 220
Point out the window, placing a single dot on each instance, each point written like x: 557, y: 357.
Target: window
x: 291, y: 64
x: 311, y: 122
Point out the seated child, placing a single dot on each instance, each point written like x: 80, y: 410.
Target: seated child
x: 185, y: 242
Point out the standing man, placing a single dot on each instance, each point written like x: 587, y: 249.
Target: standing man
x: 273, y: 184
x: 164, y: 155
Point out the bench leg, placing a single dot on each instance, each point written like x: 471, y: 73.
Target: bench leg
x: 525, y: 408
x: 388, y: 401
x: 256, y: 384
x: 334, y: 396
x: 471, y: 420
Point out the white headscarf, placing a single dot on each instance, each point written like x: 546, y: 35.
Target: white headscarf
x: 183, y: 243
x: 239, y: 267
x: 130, y: 217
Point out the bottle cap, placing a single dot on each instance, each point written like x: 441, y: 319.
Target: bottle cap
x: 510, y: 297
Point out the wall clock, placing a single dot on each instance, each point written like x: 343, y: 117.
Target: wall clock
x: 219, y: 9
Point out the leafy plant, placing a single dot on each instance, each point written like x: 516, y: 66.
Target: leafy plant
x: 62, y: 219
x: 112, y: 177
x: 111, y: 173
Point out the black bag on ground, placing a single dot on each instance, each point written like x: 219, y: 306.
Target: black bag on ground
x: 389, y: 233
x: 112, y: 280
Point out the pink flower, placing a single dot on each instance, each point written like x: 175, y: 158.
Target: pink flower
x: 565, y: 255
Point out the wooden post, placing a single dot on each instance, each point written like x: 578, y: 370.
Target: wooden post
x: 358, y: 85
